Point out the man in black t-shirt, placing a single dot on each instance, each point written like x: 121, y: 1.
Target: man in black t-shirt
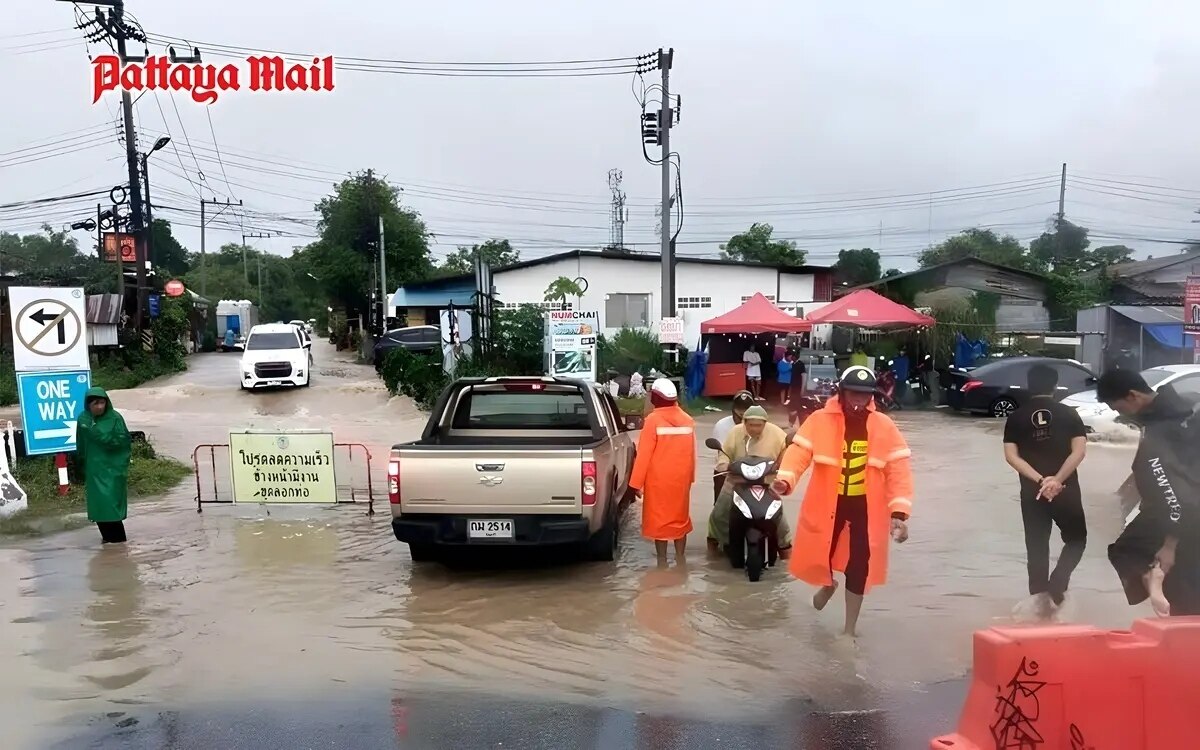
x: 1045, y: 442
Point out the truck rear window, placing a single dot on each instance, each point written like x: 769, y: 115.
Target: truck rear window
x: 508, y: 410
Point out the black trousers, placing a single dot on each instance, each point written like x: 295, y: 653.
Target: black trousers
x: 853, y: 511
x: 1133, y: 553
x: 1040, y: 516
x: 112, y: 532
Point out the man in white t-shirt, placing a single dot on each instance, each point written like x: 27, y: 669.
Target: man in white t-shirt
x: 753, y: 372
x: 741, y: 402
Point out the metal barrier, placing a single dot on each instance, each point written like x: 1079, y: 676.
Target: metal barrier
x: 354, y: 493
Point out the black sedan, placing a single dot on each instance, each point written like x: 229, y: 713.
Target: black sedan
x: 999, y: 387
x: 421, y: 339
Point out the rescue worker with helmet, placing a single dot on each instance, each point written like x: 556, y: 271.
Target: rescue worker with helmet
x: 664, y: 470
x: 858, y: 498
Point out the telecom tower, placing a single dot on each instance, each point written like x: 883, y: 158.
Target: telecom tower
x: 620, y: 214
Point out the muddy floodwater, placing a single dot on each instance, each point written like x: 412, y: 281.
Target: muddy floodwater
x: 237, y: 605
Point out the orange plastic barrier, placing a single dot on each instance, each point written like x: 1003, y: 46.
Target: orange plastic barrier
x: 1075, y: 687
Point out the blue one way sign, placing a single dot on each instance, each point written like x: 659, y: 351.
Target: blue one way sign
x: 50, y: 404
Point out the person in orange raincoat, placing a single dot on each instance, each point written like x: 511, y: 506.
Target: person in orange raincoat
x: 859, y: 495
x: 665, y: 469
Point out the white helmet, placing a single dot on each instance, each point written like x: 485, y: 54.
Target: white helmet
x: 666, y: 389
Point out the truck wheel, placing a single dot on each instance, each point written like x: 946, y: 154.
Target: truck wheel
x: 602, y: 547
x: 422, y: 552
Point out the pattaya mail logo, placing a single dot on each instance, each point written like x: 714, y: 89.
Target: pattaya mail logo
x: 205, y: 82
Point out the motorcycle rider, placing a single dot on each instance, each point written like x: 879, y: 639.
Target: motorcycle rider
x: 860, y: 493
x: 742, y: 401
x: 755, y: 436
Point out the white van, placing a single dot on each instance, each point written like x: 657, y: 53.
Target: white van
x: 276, y: 354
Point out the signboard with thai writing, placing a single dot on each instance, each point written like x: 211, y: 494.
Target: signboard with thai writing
x: 282, y: 467
x: 1191, y: 306
x: 125, y: 243
x: 573, y: 337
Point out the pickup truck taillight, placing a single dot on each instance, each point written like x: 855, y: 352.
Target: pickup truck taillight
x: 394, y: 482
x: 587, y: 482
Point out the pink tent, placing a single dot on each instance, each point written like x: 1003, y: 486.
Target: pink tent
x: 867, y: 309
x: 755, y: 315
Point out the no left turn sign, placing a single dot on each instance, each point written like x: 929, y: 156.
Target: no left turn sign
x: 49, y: 328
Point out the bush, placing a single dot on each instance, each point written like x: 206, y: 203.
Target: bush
x: 519, y: 340
x: 636, y: 348
x: 418, y: 376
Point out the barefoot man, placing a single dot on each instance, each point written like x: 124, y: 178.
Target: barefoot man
x: 665, y: 469
x: 859, y: 495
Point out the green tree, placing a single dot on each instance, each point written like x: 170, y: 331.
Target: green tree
x: 347, y: 251
x: 756, y: 246
x: 561, y: 288
x: 169, y: 255
x: 855, y: 267
x: 496, y: 253
x: 1063, y: 251
x: 35, y: 253
x: 983, y: 244
x: 1110, y: 255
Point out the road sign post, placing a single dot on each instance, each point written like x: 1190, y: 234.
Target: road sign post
x: 50, y: 405
x: 49, y: 328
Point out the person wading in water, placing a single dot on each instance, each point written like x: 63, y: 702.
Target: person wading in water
x: 664, y: 471
x: 103, y: 449
x: 859, y: 496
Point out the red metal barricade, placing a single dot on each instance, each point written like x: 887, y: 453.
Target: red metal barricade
x: 352, y: 486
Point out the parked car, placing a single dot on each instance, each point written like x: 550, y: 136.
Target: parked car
x: 998, y: 388
x: 1098, y: 418
x: 514, y: 461
x: 276, y: 354
x: 424, y: 339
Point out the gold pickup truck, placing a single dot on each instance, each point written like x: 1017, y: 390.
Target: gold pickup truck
x: 514, y: 461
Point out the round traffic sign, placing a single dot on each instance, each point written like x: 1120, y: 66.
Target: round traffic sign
x: 48, y: 327
x: 174, y: 288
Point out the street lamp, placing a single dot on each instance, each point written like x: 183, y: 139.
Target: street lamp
x: 158, y: 145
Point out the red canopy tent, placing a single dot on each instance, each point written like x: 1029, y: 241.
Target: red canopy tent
x: 756, y: 315
x: 868, y: 309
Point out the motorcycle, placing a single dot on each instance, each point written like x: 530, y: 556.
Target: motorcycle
x: 885, y: 388
x: 918, y: 379
x: 754, y: 515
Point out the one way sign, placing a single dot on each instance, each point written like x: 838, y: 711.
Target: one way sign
x: 50, y: 405
x: 49, y: 328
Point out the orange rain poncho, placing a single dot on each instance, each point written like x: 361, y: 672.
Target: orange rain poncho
x: 664, y: 471
x: 889, y: 487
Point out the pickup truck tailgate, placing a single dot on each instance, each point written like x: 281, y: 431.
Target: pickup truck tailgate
x: 490, y: 482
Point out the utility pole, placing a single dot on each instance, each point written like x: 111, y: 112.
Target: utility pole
x: 203, y: 225
x: 383, y: 285
x: 258, y: 255
x: 665, y: 116
x: 1062, y: 194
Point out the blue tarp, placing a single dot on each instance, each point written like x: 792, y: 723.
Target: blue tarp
x: 1169, y: 334
x: 967, y: 352
x: 694, y: 375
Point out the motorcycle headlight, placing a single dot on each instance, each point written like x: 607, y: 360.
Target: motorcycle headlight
x: 753, y: 472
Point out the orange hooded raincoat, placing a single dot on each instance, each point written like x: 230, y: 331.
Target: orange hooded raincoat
x: 819, y: 444
x: 664, y: 471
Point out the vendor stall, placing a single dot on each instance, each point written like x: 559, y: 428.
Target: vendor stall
x: 866, y: 309
x: 755, y: 323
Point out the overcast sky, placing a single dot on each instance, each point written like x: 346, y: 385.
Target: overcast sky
x: 843, y: 125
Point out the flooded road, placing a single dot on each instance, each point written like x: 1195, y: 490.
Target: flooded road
x: 215, y: 629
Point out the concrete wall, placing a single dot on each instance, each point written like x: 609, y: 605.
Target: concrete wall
x: 1022, y: 315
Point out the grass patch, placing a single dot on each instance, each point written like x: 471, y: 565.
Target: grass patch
x: 149, y: 475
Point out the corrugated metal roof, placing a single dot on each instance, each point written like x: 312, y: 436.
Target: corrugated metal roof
x: 1150, y: 314
x: 104, y: 309
x: 1139, y: 267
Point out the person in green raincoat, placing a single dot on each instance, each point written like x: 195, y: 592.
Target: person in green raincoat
x: 103, y: 448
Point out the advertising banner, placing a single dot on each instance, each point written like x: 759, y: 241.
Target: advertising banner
x: 573, y: 343
x: 670, y: 331
x: 1191, y: 306
x: 125, y: 244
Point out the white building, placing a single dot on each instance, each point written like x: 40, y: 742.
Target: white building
x: 626, y: 289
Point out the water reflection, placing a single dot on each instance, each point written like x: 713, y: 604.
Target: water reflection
x: 116, y: 613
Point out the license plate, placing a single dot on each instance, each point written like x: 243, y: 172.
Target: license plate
x: 954, y: 387
x: 274, y: 382
x: 489, y: 529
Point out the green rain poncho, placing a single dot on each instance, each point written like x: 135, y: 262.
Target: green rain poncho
x: 103, y: 450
